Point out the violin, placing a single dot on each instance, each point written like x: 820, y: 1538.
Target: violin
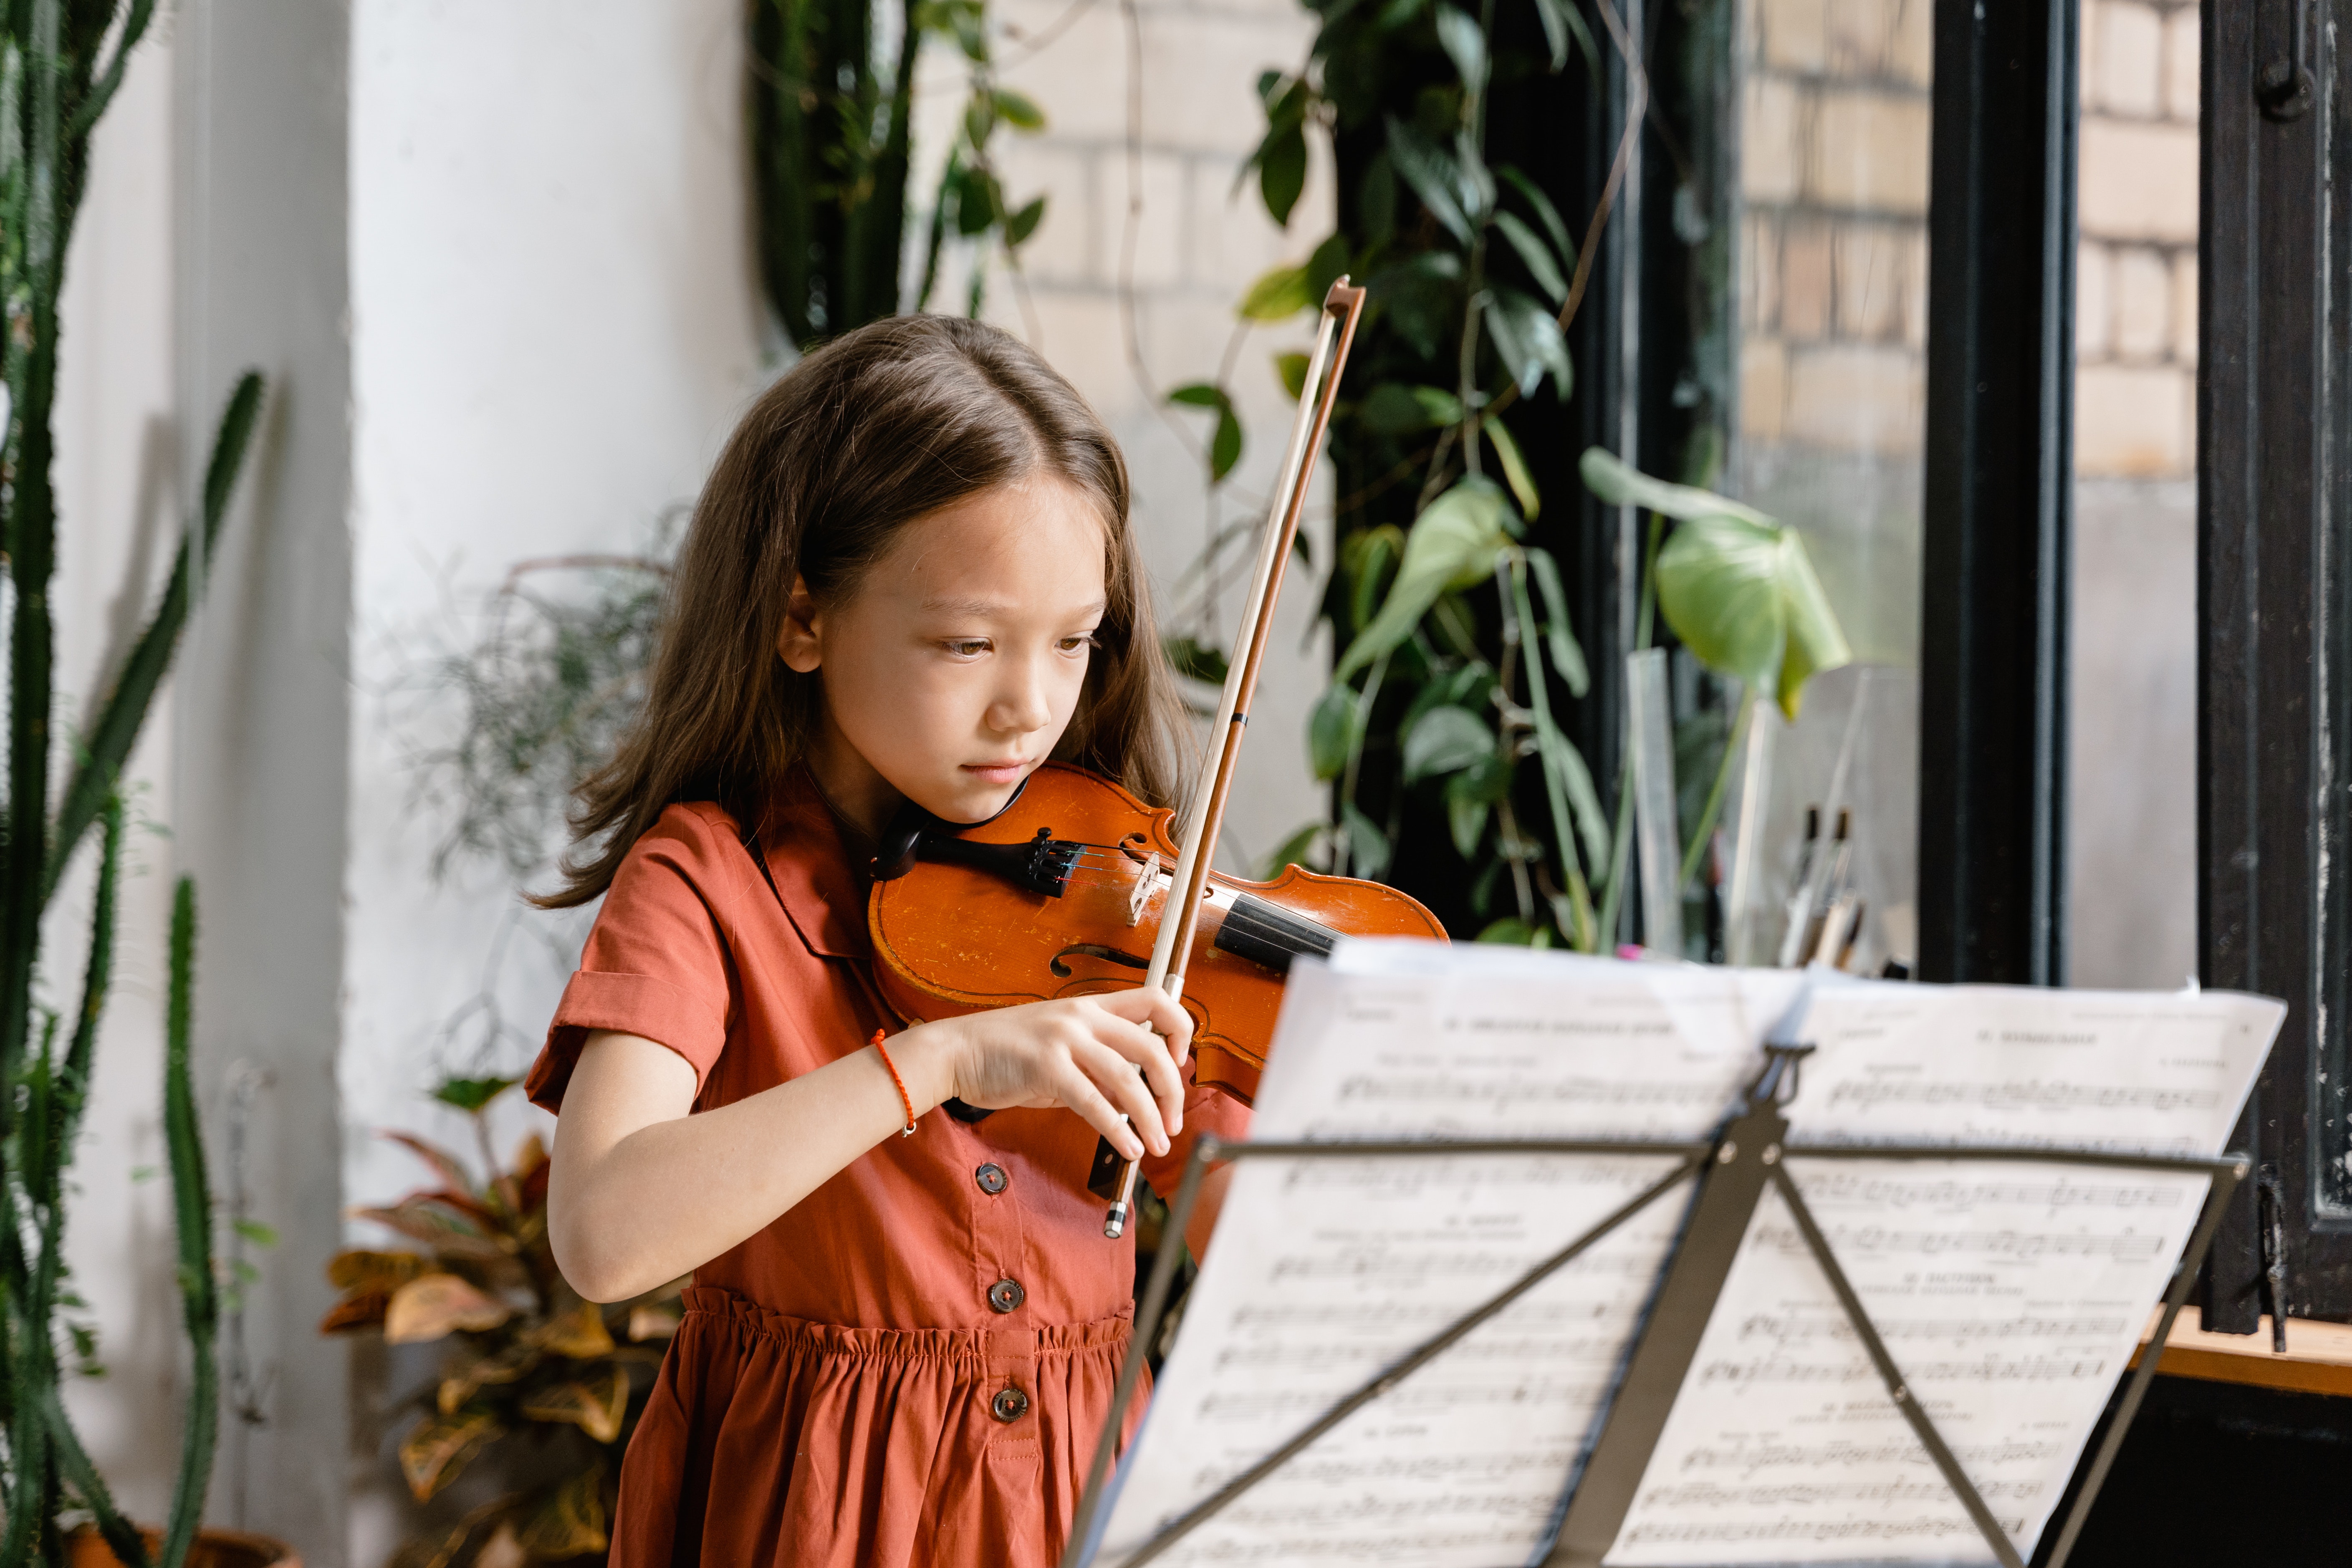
x: 1063, y: 893
x: 1056, y: 894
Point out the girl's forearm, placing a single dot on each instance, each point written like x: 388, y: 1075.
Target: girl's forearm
x: 634, y: 1203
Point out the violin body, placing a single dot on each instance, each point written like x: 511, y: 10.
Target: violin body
x: 1061, y: 895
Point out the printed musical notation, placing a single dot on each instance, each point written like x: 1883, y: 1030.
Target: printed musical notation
x: 1324, y: 1272
x: 2009, y: 1295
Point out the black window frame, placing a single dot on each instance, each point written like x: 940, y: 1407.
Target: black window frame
x: 2274, y: 529
x: 2275, y: 564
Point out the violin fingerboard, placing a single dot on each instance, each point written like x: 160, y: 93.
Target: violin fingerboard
x: 1269, y: 934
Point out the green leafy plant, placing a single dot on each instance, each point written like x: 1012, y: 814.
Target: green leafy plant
x: 1458, y: 656
x: 61, y: 62
x: 524, y: 1353
x: 831, y: 148
x: 542, y: 694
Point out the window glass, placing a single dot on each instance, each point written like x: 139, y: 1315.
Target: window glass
x: 1831, y: 278
x: 2131, y: 820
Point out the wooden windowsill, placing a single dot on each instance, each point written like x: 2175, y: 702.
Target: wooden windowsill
x: 2318, y: 1358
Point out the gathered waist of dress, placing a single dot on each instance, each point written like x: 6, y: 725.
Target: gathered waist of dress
x: 979, y: 1347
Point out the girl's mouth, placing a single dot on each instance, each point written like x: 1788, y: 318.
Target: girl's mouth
x: 996, y: 773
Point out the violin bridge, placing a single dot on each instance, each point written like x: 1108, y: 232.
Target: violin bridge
x: 1147, y: 881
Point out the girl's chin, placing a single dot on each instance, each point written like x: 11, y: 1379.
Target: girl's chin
x: 972, y: 799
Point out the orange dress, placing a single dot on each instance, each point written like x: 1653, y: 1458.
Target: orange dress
x: 913, y: 1365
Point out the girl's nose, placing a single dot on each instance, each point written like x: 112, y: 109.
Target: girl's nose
x: 1024, y: 703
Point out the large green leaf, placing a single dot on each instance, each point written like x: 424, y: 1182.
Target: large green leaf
x: 1451, y: 546
x: 1562, y: 20
x: 1432, y: 172
x: 1445, y: 739
x: 1539, y: 204
x: 1277, y: 296
x: 1619, y: 483
x: 1393, y: 408
x: 1528, y: 338
x: 1226, y: 444
x: 1465, y: 820
x: 1559, y: 634
x: 1537, y: 256
x: 1331, y: 731
x: 1743, y: 597
x: 1368, y: 846
x: 1018, y: 110
x: 1515, y: 469
x: 1464, y: 44
x: 1368, y: 559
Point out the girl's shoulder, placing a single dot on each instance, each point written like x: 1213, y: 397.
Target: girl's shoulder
x: 696, y: 843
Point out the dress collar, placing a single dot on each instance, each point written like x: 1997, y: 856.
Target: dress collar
x: 810, y: 864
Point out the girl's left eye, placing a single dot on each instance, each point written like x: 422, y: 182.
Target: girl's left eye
x: 1072, y: 645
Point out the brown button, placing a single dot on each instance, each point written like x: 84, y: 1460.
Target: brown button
x: 1009, y: 1406
x: 1006, y: 1294
x: 992, y: 1179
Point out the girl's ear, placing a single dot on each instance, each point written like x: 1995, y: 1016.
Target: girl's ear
x: 797, y: 643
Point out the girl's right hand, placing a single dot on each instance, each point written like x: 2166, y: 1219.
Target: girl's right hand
x: 1103, y: 1055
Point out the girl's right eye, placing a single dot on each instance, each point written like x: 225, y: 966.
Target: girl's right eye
x: 966, y: 647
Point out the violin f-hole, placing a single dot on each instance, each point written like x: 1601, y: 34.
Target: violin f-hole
x: 1095, y: 949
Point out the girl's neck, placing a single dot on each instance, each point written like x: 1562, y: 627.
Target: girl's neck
x: 861, y: 798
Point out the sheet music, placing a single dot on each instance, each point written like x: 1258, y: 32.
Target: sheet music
x: 2011, y: 1296
x: 1324, y: 1272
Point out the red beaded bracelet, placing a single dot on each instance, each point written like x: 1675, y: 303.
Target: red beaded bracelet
x: 904, y: 1097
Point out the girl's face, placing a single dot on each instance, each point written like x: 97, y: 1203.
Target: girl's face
x: 952, y: 669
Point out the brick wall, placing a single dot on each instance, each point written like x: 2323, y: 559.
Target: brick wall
x: 1833, y: 256
x: 2135, y: 272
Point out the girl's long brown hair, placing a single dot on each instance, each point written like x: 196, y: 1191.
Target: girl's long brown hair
x: 876, y: 429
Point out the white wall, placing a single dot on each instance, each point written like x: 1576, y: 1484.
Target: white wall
x: 554, y: 327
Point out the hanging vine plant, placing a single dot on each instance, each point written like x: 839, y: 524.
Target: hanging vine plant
x: 1456, y: 657
x: 831, y: 126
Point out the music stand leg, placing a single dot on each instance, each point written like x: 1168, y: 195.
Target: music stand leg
x: 1932, y: 1440
x: 1147, y: 1321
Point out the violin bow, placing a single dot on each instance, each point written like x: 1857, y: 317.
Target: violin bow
x: 1180, y: 918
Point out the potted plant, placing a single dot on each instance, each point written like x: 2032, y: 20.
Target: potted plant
x: 524, y: 1354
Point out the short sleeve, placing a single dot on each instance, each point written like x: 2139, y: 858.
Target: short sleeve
x: 656, y: 962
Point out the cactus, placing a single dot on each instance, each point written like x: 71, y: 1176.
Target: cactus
x: 192, y: 1208
x: 61, y: 62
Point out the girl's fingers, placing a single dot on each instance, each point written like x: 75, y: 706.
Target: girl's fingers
x: 1146, y: 1050
x: 1074, y: 1088
x: 1155, y: 1010
x: 1118, y: 1079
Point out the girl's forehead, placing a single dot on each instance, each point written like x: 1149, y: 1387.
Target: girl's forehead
x: 1042, y: 536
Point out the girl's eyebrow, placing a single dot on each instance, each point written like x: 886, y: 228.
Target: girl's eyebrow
x: 982, y: 609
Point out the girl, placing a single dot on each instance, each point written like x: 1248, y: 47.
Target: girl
x: 911, y: 577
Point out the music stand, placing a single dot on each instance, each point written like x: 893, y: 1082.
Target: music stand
x: 1732, y: 1170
